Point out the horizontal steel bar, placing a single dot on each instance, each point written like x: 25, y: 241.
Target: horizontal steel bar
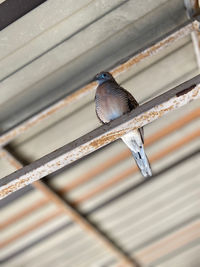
x: 176, y: 125
x: 127, y: 64
x: 150, y: 111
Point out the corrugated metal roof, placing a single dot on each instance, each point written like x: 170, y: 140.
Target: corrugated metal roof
x: 50, y: 53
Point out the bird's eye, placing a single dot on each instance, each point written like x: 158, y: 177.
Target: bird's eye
x: 103, y: 75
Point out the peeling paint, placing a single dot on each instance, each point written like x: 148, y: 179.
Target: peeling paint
x: 108, y: 138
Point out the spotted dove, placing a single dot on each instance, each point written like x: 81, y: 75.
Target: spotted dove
x: 112, y: 101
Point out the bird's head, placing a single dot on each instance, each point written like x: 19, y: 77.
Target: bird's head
x: 103, y: 77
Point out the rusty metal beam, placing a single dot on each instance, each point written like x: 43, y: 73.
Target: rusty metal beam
x: 67, y: 209
x: 127, y: 64
x: 169, y: 129
x: 150, y: 111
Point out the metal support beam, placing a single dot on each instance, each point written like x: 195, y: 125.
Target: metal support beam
x: 11, y: 10
x: 100, y: 169
x: 75, y: 215
x: 150, y: 111
x: 127, y: 64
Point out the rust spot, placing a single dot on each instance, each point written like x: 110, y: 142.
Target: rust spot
x: 136, y: 59
x: 110, y: 137
x: 195, y: 93
x: 152, y: 50
x: 14, y: 187
x: 185, y: 91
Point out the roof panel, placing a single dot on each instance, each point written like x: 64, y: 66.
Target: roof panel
x: 155, y: 221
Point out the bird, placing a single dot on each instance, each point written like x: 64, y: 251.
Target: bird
x: 113, y: 101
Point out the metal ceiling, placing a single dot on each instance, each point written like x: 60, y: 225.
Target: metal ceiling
x: 98, y: 211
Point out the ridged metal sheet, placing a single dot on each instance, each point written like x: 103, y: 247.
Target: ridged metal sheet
x: 136, y: 215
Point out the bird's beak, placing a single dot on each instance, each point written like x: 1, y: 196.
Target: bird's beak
x: 96, y: 77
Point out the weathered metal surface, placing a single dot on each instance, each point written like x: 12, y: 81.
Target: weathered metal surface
x: 103, y: 135
x: 150, y: 51
x: 177, y: 125
x: 154, y: 49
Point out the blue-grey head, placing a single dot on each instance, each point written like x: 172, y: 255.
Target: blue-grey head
x: 103, y: 77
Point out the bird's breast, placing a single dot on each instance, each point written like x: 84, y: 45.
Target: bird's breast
x: 110, y: 105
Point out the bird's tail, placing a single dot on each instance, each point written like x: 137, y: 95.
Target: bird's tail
x: 142, y: 162
x: 134, y: 142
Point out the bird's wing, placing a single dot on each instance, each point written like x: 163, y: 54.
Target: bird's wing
x: 132, y: 102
